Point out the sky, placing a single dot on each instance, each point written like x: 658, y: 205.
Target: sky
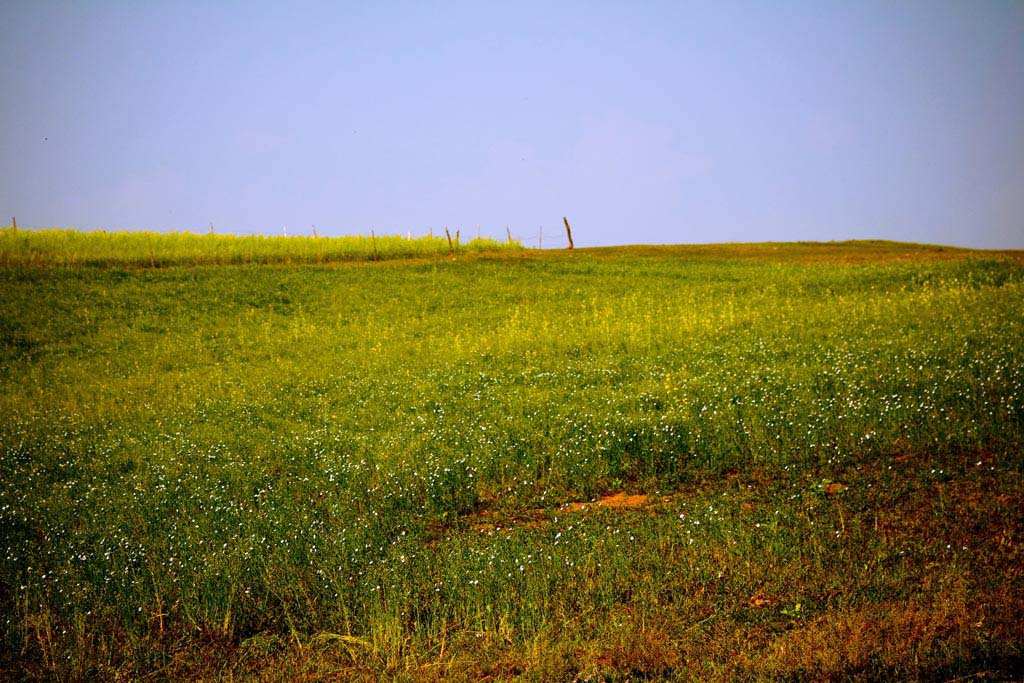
x: 642, y: 122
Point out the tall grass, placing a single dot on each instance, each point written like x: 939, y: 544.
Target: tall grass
x: 360, y: 472
x: 56, y: 248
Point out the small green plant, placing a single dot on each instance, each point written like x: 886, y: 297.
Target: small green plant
x: 794, y: 611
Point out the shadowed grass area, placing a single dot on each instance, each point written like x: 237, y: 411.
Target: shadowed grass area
x: 386, y: 470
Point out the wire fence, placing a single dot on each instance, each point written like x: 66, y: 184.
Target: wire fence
x: 38, y: 246
x: 553, y: 236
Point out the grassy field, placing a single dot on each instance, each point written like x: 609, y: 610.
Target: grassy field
x: 69, y: 248
x: 763, y: 462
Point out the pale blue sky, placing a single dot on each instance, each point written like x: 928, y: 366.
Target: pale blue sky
x: 640, y: 121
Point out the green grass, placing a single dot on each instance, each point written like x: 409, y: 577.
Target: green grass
x: 269, y: 473
x: 70, y: 248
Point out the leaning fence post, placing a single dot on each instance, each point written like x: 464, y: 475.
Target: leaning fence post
x: 451, y: 248
x: 568, y: 232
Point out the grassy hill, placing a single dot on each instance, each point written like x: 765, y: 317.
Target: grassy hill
x: 70, y: 248
x: 718, y: 462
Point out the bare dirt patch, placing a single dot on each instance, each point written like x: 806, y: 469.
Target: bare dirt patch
x: 616, y: 500
x: 490, y: 520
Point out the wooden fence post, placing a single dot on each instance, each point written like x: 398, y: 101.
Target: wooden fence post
x: 568, y: 232
x: 451, y: 249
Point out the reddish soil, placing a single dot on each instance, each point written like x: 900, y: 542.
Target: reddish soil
x: 616, y: 500
x: 489, y: 520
